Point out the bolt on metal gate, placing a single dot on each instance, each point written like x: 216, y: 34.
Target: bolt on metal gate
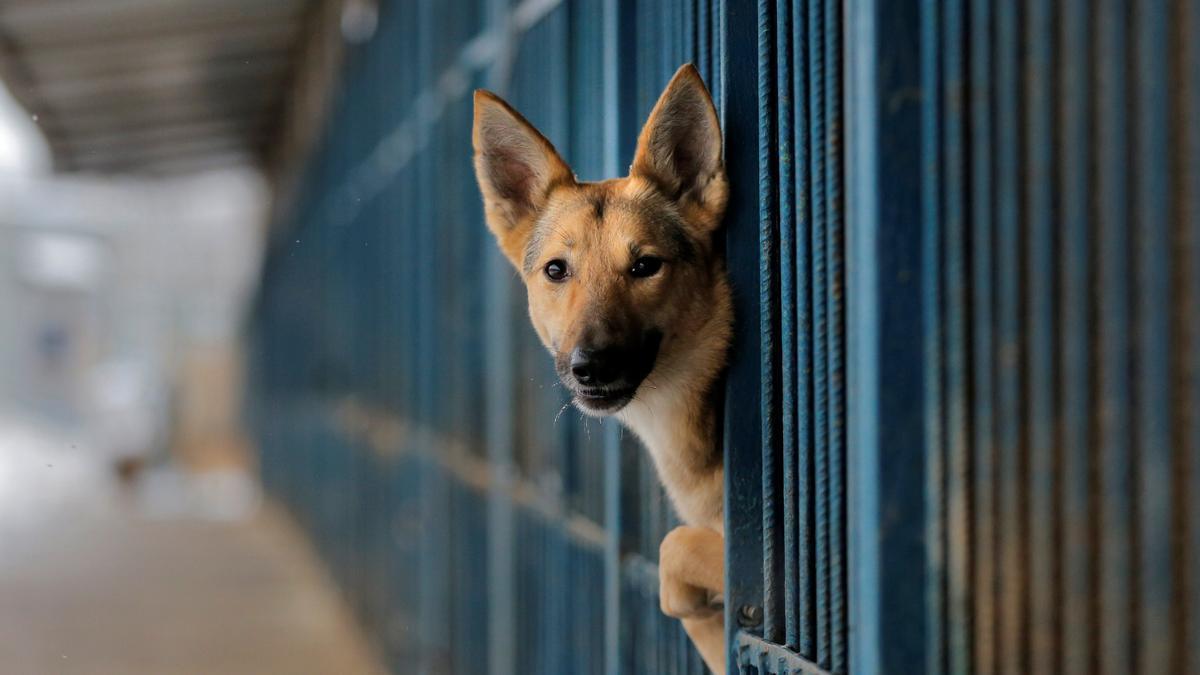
x: 960, y: 431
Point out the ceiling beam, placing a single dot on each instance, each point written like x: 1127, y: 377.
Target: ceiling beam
x: 197, y: 163
x: 52, y: 14
x: 57, y: 10
x: 177, y: 165
x: 94, y: 60
x: 169, y: 118
x: 194, y: 76
x: 122, y: 84
x: 203, y: 95
x: 133, y: 154
x: 173, y: 109
x: 91, y: 22
x: 245, y: 127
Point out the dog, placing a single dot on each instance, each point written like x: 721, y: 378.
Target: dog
x: 627, y: 290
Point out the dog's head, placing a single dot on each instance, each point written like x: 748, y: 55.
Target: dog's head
x: 623, y: 276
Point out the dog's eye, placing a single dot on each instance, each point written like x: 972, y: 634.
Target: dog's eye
x: 646, y: 266
x: 556, y: 270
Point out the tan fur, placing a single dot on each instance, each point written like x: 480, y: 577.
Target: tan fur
x: 669, y: 207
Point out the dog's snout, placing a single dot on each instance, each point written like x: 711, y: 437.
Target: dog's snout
x: 605, y: 375
x: 595, y: 367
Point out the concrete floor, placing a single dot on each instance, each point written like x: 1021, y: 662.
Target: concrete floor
x: 92, y: 583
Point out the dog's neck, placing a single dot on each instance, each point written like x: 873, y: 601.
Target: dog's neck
x: 676, y: 418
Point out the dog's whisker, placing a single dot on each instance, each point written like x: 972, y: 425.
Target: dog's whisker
x: 560, y: 412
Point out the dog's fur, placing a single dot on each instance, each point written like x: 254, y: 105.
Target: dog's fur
x: 627, y: 290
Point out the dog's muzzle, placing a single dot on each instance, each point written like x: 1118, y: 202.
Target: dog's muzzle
x: 604, y: 378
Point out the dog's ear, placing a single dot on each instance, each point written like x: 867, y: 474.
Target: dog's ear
x: 517, y: 168
x: 679, y: 149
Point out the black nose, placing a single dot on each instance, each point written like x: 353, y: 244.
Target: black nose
x: 595, y: 367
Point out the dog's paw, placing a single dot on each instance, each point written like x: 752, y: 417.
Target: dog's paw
x: 679, y: 555
x: 684, y: 601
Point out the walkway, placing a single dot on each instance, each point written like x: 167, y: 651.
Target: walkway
x: 96, y: 582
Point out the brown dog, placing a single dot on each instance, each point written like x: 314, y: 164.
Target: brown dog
x: 627, y: 290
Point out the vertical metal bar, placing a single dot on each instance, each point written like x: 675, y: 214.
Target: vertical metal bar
x: 805, y: 525
x: 553, y: 37
x: 435, y: 625
x: 555, y: 562
x: 1039, y: 401
x: 986, y: 650
x: 643, y: 63
x: 866, y: 547
x: 612, y: 50
x: 788, y: 327
x: 1188, y: 256
x: 932, y: 329
x: 836, y: 318
x: 666, y: 41
x: 1114, y: 344
x: 693, y: 49
x: 635, y: 612
x: 772, y: 553
x: 743, y: 456
x: 787, y: 231
x: 538, y: 564
x: 1012, y: 471
x: 500, y: 416
x: 719, y: 27
x: 1154, y: 452
x: 650, y: 619
x: 426, y: 344
x: 656, y: 641
x: 1077, y: 564
x: 956, y: 364
x: 817, y: 93
x: 887, y: 555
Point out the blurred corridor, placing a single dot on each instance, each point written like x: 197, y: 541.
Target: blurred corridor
x: 96, y: 578
x: 138, y: 144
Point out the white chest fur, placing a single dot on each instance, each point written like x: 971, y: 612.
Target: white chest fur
x: 681, y: 447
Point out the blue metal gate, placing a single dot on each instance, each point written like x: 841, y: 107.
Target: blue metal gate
x: 1023, y: 269
x: 785, y: 464
x: 960, y: 413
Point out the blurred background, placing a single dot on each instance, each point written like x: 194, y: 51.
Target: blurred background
x: 139, y: 144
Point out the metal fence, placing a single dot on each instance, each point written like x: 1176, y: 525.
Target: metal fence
x: 405, y: 410
x: 960, y: 413
x: 1023, y: 275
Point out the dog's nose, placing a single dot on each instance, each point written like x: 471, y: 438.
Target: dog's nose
x: 595, y: 367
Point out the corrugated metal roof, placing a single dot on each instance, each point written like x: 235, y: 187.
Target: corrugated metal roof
x: 151, y: 86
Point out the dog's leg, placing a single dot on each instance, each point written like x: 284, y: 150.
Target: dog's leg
x: 708, y: 634
x: 691, y: 575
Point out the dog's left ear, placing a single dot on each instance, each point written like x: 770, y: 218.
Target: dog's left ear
x: 517, y: 168
x: 679, y: 150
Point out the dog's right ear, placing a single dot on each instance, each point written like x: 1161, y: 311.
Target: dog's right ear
x: 517, y: 168
x: 679, y: 149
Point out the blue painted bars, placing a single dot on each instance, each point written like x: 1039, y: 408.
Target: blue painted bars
x: 961, y: 412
